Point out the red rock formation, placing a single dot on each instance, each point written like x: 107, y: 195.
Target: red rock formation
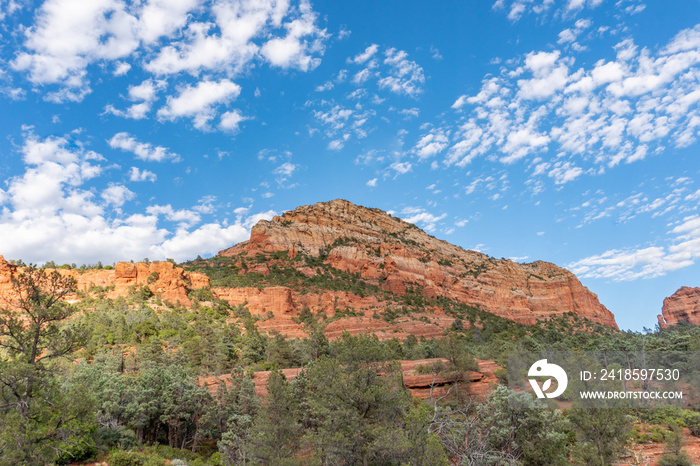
x: 480, y: 383
x: 7, y: 271
x: 682, y: 306
x: 285, y: 304
x: 396, y: 255
x: 164, y: 279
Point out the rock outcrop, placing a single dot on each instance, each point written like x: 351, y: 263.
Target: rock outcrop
x: 681, y: 306
x: 479, y: 383
x: 164, y: 279
x: 399, y: 257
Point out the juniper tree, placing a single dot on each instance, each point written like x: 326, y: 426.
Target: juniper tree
x: 39, y: 419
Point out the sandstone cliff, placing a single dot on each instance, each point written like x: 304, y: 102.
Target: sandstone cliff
x: 682, y: 306
x: 164, y: 279
x: 400, y: 258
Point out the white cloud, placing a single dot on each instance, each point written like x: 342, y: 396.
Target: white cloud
x: 70, y: 34
x: 410, y: 112
x: 361, y: 58
x: 646, y: 262
x: 401, y: 168
x: 117, y: 195
x: 185, y: 217
x: 230, y: 121
x: 516, y: 9
x: 209, y: 238
x: 391, y: 71
x: 240, y: 24
x: 592, y: 117
x: 303, y: 39
x: 336, y: 144
x: 286, y: 169
x: 142, y: 150
x: 431, y: 144
x: 372, y: 183
x: 50, y: 213
x: 563, y: 172
x: 222, y: 37
x: 418, y: 215
x: 159, y: 18
x: 141, y: 175
x: 362, y: 76
x: 199, y: 101
x: 405, y: 76
x: 145, y: 94
x: 549, y: 75
x: 121, y: 68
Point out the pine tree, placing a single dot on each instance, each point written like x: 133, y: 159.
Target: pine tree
x: 39, y: 419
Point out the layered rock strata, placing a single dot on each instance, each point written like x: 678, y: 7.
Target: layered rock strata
x: 399, y: 257
x: 681, y: 306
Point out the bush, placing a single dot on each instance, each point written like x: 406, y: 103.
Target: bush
x: 122, y: 437
x: 693, y: 423
x: 134, y: 458
x: 674, y: 455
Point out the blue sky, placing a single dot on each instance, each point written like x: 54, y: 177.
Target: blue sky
x: 560, y: 130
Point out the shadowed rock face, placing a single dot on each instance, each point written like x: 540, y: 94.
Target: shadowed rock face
x: 398, y: 256
x: 682, y: 306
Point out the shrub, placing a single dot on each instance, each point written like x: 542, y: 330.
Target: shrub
x: 134, y: 458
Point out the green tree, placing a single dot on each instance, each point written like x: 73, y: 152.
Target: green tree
x: 518, y: 425
x: 356, y: 409
x: 276, y: 429
x: 40, y: 419
x: 231, y: 418
x: 674, y: 455
x: 601, y: 434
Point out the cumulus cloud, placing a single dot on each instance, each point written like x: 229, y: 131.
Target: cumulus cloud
x: 368, y: 53
x: 298, y: 42
x: 199, y: 101
x: 226, y: 38
x: 336, y: 144
x: 405, y: 76
x: 401, y: 168
x: 646, y: 262
x: 141, y: 175
x: 231, y: 121
x: 142, y: 150
x: 286, y: 169
x: 421, y: 217
x: 592, y: 118
x: 70, y: 34
x: 50, y: 212
x: 117, y: 195
x: 302, y: 41
x: 144, y: 94
x: 431, y: 144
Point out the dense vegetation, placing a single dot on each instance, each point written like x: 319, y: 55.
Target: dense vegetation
x: 120, y: 380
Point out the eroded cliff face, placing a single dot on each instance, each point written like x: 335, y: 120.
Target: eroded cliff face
x: 681, y: 306
x: 164, y: 279
x: 399, y: 257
